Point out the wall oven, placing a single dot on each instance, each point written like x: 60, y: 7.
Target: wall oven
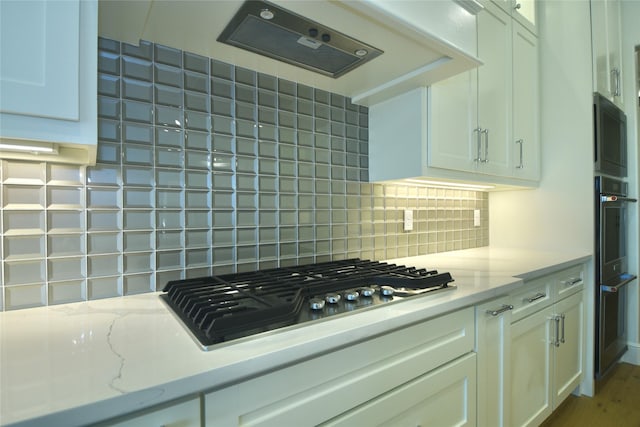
x: 612, y: 274
x: 610, y: 137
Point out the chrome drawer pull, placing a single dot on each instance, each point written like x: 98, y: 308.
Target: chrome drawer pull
x: 500, y: 310
x: 571, y: 281
x: 562, y: 338
x: 536, y: 297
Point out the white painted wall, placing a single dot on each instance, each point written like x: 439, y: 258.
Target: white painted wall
x: 559, y: 214
x: 631, y: 39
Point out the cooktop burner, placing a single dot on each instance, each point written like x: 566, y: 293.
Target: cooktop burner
x: 217, y: 309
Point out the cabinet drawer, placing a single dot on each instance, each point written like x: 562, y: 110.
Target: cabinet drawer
x: 569, y: 281
x: 533, y: 296
x: 321, y: 388
x: 421, y: 401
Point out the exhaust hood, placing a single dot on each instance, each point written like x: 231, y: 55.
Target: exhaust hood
x: 408, y: 43
x: 269, y: 30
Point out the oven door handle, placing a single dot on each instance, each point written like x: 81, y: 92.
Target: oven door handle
x: 612, y: 199
x: 615, y: 288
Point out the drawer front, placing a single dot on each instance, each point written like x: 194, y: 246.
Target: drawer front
x: 444, y: 397
x: 569, y: 281
x: 319, y: 389
x: 533, y: 296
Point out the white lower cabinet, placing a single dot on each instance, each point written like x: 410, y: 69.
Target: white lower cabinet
x: 530, y: 384
x: 530, y: 347
x: 493, y: 345
x: 185, y: 414
x: 547, y: 350
x: 407, y: 375
x: 569, y: 368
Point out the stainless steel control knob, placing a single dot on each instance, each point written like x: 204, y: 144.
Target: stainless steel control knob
x: 332, y: 298
x: 316, y: 304
x: 367, y: 292
x: 386, y: 291
x: 351, y: 295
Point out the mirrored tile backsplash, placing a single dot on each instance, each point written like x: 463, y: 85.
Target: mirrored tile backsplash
x: 205, y: 168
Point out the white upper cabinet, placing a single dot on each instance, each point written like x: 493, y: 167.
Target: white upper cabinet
x: 526, y: 105
x: 481, y: 126
x: 494, y: 93
x: 607, y: 49
x: 523, y: 11
x: 469, y: 130
x: 48, y: 80
x: 40, y: 55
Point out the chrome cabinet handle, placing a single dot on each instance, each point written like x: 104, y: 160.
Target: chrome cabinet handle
x: 615, y: 74
x: 572, y: 281
x: 517, y: 6
x: 478, y: 145
x: 562, y: 318
x: 486, y: 146
x: 520, y: 142
x: 557, y: 340
x: 536, y: 297
x: 500, y: 310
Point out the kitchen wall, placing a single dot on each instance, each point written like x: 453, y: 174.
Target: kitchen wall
x: 204, y: 168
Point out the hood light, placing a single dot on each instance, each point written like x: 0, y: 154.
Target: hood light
x: 361, y: 52
x: 32, y: 147
x: 266, y: 14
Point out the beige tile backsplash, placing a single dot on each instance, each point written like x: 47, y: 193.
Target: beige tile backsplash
x: 244, y: 172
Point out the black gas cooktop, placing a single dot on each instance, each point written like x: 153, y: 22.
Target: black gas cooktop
x: 218, y: 309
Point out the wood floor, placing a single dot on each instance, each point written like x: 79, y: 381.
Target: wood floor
x: 616, y: 404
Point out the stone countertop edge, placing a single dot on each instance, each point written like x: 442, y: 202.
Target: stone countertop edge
x: 232, y: 363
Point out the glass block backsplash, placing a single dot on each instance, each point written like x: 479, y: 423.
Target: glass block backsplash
x: 206, y: 168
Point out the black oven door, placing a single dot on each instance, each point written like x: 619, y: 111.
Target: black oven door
x: 611, y: 334
x: 611, y: 273
x: 613, y: 242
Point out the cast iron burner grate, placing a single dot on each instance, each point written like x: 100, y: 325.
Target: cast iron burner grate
x: 222, y: 308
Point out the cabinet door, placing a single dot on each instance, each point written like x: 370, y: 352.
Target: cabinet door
x: 494, y: 91
x: 606, y: 45
x: 599, y: 46
x: 444, y: 397
x: 48, y: 80
x: 493, y: 345
x: 614, y: 50
x: 453, y: 115
x: 39, y: 75
x: 531, y: 368
x: 568, y: 367
x: 526, y: 122
x: 524, y: 11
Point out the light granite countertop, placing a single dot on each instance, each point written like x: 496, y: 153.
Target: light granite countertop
x: 80, y: 363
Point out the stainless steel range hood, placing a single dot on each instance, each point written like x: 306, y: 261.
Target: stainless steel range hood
x: 269, y: 30
x: 423, y: 41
